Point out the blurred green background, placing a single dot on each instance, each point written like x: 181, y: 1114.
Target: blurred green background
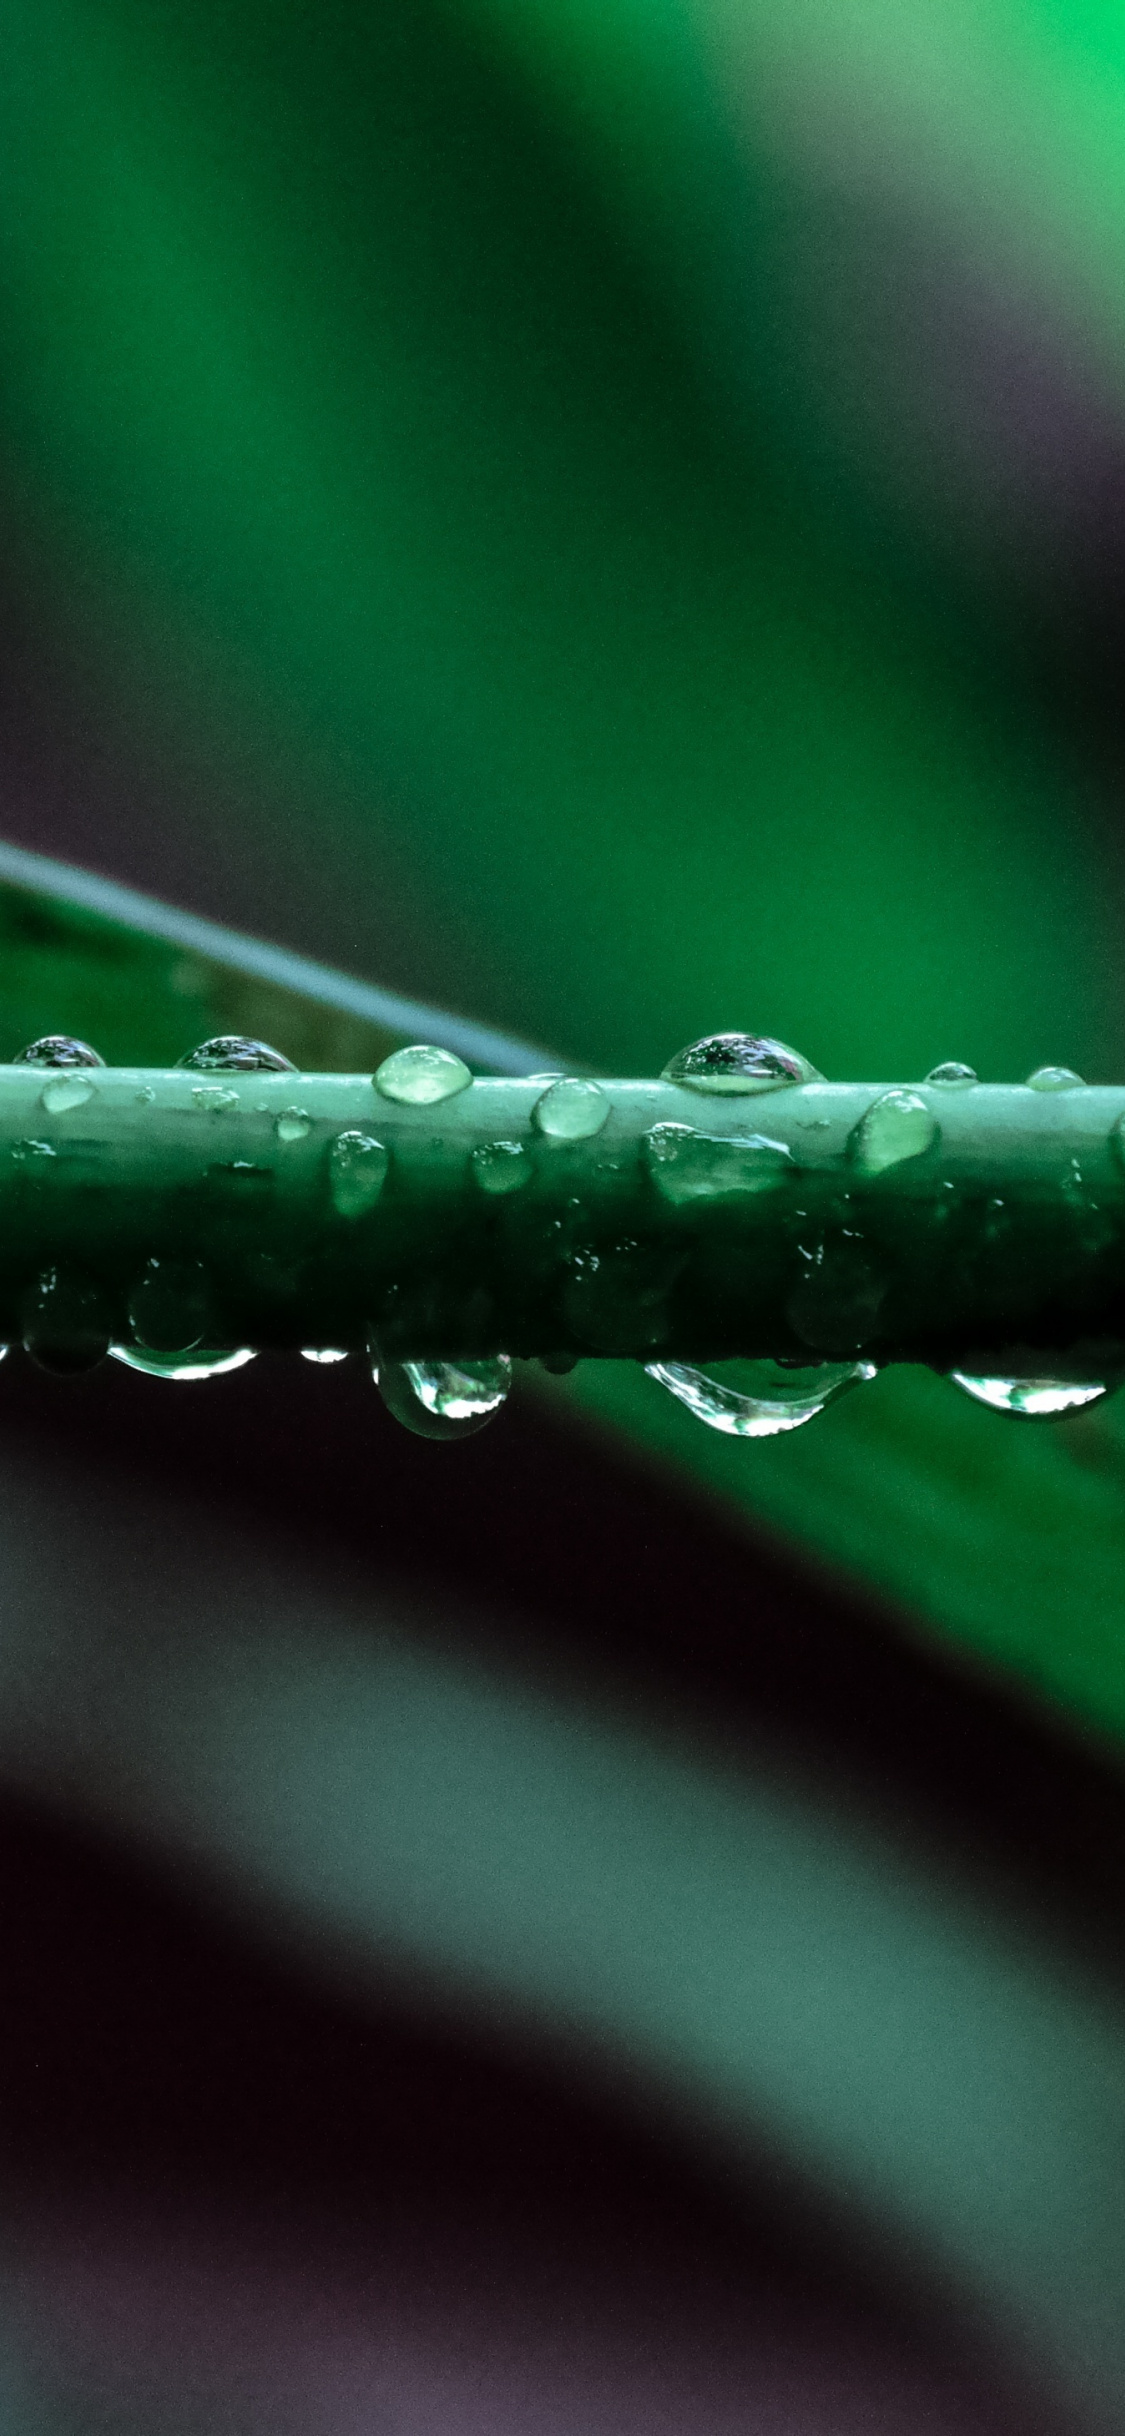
x: 612, y: 521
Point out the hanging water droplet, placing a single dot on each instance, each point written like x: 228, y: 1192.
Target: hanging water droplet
x: 1031, y: 1399
x: 66, y: 1324
x: 1054, y: 1078
x: 571, y: 1110
x: 357, y: 1172
x: 170, y: 1305
x: 445, y: 1399
x: 739, y: 1062
x: 231, y: 1053
x: 952, y: 1076
x: 419, y: 1077
x: 501, y: 1167
x: 324, y: 1353
x: 67, y: 1091
x: 201, y: 1364
x: 768, y: 1398
x: 897, y: 1126
x: 293, y: 1124
x: 57, y: 1049
x: 690, y: 1166
x: 214, y: 1100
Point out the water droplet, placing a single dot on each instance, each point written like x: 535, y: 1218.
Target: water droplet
x: 445, y: 1399
x: 31, y: 1154
x: 571, y: 1110
x: 559, y: 1365
x: 242, y: 1180
x: 324, y: 1353
x: 1054, y: 1078
x: 690, y: 1166
x: 231, y: 1053
x: 897, y: 1126
x: 200, y: 1364
x: 1031, y: 1399
x: 357, y: 1172
x: 501, y: 1167
x: 293, y: 1124
x: 739, y: 1061
x: 170, y: 1305
x: 769, y: 1398
x: 419, y: 1077
x: 66, y: 1325
x: 146, y: 1096
x: 615, y: 1299
x: 68, y: 1091
x: 58, y: 1049
x: 952, y: 1076
x: 835, y: 1304
x: 214, y: 1100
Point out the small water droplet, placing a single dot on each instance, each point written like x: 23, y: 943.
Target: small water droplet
x: 203, y: 1364
x: 170, y: 1305
x: 739, y: 1062
x: 324, y: 1353
x: 952, y: 1076
x: 571, y: 1110
x: 66, y: 1325
x: 58, y: 1049
x: 241, y: 1179
x: 146, y: 1097
x: 615, y: 1298
x: 231, y: 1053
x: 559, y: 1365
x: 445, y: 1399
x: 32, y: 1154
x: 768, y: 1399
x: 357, y: 1172
x: 293, y: 1125
x: 1054, y: 1078
x: 67, y: 1091
x: 421, y: 1076
x: 690, y: 1166
x: 897, y: 1126
x: 834, y: 1306
x: 1031, y: 1399
x: 501, y: 1167
x: 214, y: 1100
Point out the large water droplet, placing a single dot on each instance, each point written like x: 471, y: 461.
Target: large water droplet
x: 739, y: 1062
x: 767, y: 1399
x: 324, y: 1353
x: 201, y: 1364
x: 445, y: 1399
x: 232, y: 1053
x: 953, y: 1076
x: 65, y: 1092
x: 690, y: 1166
x: 215, y: 1099
x: 571, y: 1110
x: 1054, y: 1078
x: 293, y: 1125
x: 66, y: 1324
x: 501, y: 1167
x: 419, y: 1077
x: 1031, y: 1399
x: 897, y: 1126
x: 170, y: 1305
x: 357, y: 1172
x: 57, y: 1049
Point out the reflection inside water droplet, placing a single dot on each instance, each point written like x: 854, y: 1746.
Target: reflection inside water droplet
x: 444, y: 1399
x: 1054, y: 1078
x: 571, y: 1110
x: 739, y: 1062
x: 57, y: 1049
x: 419, y: 1077
x: 501, y: 1167
x: 169, y: 1305
x: 897, y: 1126
x: 201, y: 1364
x: 324, y: 1353
x: 952, y: 1076
x: 233, y: 1053
x: 1030, y: 1399
x: 65, y: 1092
x: 758, y: 1399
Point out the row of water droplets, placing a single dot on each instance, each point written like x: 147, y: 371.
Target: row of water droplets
x: 445, y: 1399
